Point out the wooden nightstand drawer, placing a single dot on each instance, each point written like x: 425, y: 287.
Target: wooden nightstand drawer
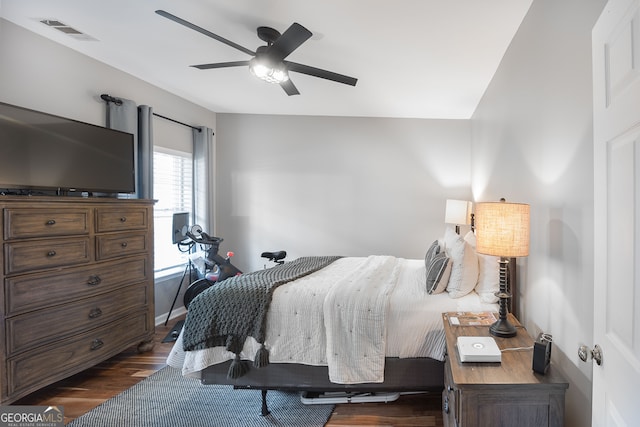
x: 36, y: 255
x: 25, y: 223
x: 121, y: 244
x: 121, y: 219
x: 43, y: 326
x: 450, y: 409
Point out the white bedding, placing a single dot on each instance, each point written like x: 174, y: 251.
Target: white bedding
x: 355, y: 311
x: 296, y: 326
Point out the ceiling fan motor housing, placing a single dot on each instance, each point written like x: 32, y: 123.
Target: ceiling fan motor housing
x: 268, y: 35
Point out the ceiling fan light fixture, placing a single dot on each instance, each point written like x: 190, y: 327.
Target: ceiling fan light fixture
x: 272, y: 74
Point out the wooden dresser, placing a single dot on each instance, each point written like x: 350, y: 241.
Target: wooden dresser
x: 499, y: 394
x: 77, y: 282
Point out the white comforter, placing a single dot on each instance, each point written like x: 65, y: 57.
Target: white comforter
x: 408, y: 323
x: 355, y: 310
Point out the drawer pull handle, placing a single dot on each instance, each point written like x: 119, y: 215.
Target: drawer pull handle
x: 123, y: 219
x: 445, y: 405
x: 51, y: 222
x: 94, y: 280
x: 95, y: 313
x: 51, y: 253
x: 96, y: 344
x: 123, y: 244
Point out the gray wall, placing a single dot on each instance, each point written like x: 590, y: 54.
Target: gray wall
x: 357, y: 186
x: 532, y: 142
x: 39, y: 74
x: 327, y: 185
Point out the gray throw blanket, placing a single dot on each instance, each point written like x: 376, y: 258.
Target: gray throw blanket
x: 230, y: 311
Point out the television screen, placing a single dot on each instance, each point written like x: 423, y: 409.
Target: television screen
x: 40, y: 151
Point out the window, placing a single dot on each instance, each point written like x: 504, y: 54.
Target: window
x: 172, y: 188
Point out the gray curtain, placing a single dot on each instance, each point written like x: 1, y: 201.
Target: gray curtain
x: 126, y: 116
x: 203, y: 178
x: 145, y: 151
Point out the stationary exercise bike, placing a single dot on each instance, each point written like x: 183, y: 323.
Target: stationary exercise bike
x: 218, y: 267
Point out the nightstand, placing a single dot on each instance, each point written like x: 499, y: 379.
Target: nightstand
x: 508, y: 393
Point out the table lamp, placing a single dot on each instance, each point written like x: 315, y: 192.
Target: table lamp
x: 457, y: 212
x: 502, y: 230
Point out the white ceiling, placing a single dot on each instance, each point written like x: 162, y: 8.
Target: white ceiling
x: 412, y: 58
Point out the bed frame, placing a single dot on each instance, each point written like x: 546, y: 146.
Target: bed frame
x: 401, y: 375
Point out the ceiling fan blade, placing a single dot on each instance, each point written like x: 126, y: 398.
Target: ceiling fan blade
x: 289, y: 87
x: 205, y: 32
x: 289, y: 41
x: 323, y: 74
x: 220, y: 65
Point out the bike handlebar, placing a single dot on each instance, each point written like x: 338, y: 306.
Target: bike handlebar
x: 204, y: 238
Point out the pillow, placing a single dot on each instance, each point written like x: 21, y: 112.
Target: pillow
x: 438, y: 273
x: 488, y: 273
x: 464, y: 268
x: 433, y: 250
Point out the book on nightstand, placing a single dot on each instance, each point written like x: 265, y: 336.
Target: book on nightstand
x: 478, y: 349
x: 472, y: 318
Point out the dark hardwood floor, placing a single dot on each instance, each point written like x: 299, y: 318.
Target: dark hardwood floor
x: 86, y: 390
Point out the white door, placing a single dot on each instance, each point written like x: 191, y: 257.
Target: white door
x: 616, y: 94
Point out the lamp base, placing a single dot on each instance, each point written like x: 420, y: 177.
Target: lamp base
x: 503, y: 328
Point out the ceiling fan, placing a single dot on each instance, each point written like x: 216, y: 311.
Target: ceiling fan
x: 268, y: 62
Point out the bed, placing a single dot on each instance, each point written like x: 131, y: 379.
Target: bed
x: 357, y: 324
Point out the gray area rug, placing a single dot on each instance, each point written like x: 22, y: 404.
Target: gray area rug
x: 167, y: 399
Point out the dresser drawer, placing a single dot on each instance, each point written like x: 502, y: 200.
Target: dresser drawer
x: 34, y: 291
x: 40, y: 254
x: 43, y: 326
x: 121, y: 219
x: 24, y: 223
x: 120, y: 244
x: 35, y: 369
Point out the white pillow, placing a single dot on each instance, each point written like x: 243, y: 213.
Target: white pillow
x: 488, y: 273
x: 464, y: 268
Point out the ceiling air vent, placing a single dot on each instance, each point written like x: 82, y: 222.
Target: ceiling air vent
x: 70, y: 31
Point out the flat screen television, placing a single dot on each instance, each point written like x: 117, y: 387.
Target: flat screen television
x: 48, y: 153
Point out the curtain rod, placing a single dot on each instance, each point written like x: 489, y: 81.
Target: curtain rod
x: 175, y: 121
x: 109, y: 98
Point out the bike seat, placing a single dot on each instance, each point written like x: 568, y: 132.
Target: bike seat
x: 274, y: 256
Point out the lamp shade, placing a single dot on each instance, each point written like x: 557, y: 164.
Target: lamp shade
x: 502, y: 229
x: 457, y: 212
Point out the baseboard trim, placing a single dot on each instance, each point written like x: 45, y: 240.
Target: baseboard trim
x: 175, y: 313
